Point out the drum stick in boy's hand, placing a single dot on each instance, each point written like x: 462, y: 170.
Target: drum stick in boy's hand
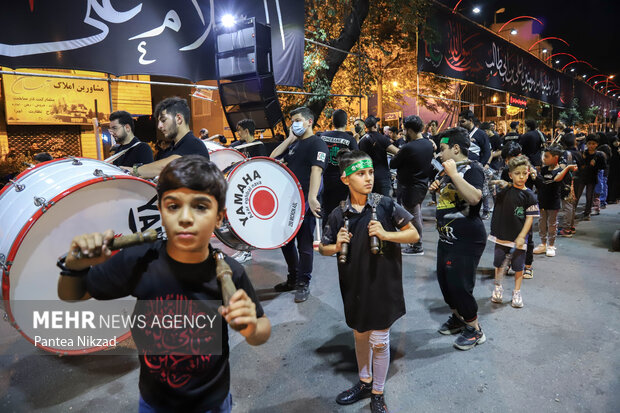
x: 223, y: 272
x: 125, y: 241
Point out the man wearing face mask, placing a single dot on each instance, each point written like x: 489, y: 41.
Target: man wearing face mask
x: 306, y: 156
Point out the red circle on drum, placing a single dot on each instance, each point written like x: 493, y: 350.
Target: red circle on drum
x: 263, y: 202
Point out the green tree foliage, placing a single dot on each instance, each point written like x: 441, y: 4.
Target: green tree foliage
x: 382, y: 34
x: 571, y: 115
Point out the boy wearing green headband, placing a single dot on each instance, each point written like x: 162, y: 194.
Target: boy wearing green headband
x: 371, y: 284
x: 462, y: 236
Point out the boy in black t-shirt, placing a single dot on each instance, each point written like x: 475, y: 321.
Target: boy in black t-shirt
x: 549, y: 185
x: 462, y: 236
x: 191, y: 195
x: 247, y: 144
x: 593, y: 161
x: 371, y: 284
x: 515, y: 209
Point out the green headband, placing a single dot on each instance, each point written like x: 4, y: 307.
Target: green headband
x: 445, y: 140
x: 356, y: 166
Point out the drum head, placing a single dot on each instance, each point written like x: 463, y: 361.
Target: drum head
x: 225, y: 157
x: 264, y: 202
x: 124, y: 204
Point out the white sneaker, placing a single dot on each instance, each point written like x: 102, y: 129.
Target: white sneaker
x: 497, y: 295
x: 551, y: 251
x: 540, y: 249
x: 517, y: 300
x: 242, y: 256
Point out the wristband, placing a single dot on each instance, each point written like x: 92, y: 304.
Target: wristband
x: 65, y: 271
x: 135, y: 169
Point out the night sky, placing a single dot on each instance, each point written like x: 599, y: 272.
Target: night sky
x: 592, y: 27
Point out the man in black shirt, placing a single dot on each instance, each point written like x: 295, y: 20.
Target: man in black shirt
x: 173, y: 121
x: 334, y: 190
x: 512, y: 135
x: 377, y: 145
x: 306, y: 156
x: 129, y: 149
x: 413, y: 163
x: 593, y: 161
x: 532, y: 143
x: 246, y: 144
x: 480, y: 149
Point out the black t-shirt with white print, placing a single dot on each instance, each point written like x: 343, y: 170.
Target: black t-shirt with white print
x: 171, y: 383
x: 512, y: 206
x: 335, y: 141
x: 302, y: 155
x: 458, y: 223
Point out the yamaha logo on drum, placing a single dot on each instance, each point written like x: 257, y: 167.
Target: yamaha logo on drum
x: 145, y: 216
x: 255, y: 199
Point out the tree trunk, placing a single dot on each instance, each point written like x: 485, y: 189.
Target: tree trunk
x: 348, y: 37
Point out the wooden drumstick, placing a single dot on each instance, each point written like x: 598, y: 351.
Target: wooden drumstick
x: 125, y: 241
x: 223, y: 272
x: 130, y: 240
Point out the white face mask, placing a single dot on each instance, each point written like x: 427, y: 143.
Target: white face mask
x: 298, y: 128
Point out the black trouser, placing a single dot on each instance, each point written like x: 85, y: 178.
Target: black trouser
x: 589, y: 187
x: 334, y: 191
x: 529, y: 253
x: 299, y: 258
x: 456, y: 274
x: 382, y: 186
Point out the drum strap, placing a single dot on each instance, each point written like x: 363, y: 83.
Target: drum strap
x: 121, y: 153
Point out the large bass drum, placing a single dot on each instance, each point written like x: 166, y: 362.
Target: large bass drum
x: 222, y: 156
x: 264, y: 205
x: 40, y: 213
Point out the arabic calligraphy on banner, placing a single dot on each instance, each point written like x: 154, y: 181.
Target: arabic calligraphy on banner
x: 54, y: 101
x: 157, y: 37
x: 463, y: 50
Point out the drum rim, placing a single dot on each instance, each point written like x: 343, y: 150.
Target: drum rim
x: 233, y: 150
x: 32, y: 169
x: 6, y: 281
x: 26, y: 172
x: 301, y: 195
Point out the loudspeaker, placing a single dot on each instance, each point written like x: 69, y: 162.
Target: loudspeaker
x: 245, y: 74
x: 243, y: 49
x: 248, y: 90
x: 264, y: 116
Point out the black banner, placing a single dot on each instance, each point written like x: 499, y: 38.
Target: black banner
x: 464, y: 50
x: 135, y: 37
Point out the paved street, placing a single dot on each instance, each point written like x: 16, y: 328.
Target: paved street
x: 557, y: 354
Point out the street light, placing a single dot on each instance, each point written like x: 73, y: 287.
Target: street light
x: 544, y: 50
x: 514, y: 32
x: 557, y: 62
x: 476, y: 10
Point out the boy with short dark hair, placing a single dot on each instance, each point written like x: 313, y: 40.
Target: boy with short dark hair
x: 462, y: 236
x: 191, y: 194
x: 593, y: 161
x: 515, y: 209
x: 549, y: 184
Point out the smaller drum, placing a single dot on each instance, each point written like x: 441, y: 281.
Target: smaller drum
x: 264, y: 205
x: 223, y: 157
